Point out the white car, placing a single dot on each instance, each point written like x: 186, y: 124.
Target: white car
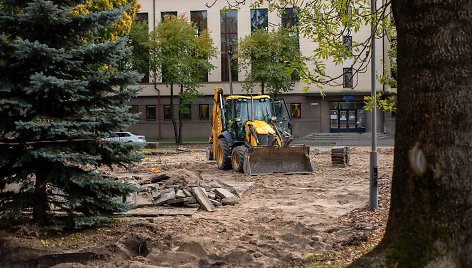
x: 126, y: 137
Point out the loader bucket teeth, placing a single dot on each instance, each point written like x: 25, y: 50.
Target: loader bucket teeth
x: 288, y: 160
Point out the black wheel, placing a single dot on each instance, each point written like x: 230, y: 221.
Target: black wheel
x: 237, y: 158
x: 223, y: 154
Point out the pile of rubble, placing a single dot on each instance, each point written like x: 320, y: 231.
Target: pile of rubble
x: 182, y: 188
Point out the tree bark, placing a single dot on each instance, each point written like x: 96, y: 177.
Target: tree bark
x: 430, y: 221
x: 40, y: 205
x: 176, y: 134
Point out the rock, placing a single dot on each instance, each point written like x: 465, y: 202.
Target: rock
x: 192, y: 205
x: 230, y: 201
x: 257, y: 255
x: 180, y: 194
x: 211, y: 195
x: 182, y: 200
x: 159, y: 178
x: 165, y: 197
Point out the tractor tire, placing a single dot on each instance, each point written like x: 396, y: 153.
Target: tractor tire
x: 223, y: 154
x: 237, y: 158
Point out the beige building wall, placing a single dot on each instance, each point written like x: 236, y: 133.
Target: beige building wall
x: 315, y: 106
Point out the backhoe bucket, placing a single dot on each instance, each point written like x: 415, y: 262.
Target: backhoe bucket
x: 288, y: 160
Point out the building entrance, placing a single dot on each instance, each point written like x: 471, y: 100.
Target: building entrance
x: 347, y: 116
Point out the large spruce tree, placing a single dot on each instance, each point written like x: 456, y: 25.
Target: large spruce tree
x: 61, y: 92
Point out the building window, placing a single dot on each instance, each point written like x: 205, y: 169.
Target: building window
x: 134, y: 109
x: 151, y: 112
x: 165, y: 14
x: 229, y: 42
x: 142, y: 17
x: 186, y: 110
x: 290, y: 22
x: 167, y: 112
x: 347, y: 78
x: 140, y: 59
x: 259, y: 19
x: 347, y: 42
x: 204, y: 111
x: 296, y: 110
x: 199, y: 20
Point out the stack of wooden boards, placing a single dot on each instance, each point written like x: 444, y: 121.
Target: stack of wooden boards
x: 340, y: 156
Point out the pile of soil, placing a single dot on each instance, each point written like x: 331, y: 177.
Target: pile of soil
x: 281, y: 220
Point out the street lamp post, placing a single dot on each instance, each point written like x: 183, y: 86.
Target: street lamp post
x: 373, y: 189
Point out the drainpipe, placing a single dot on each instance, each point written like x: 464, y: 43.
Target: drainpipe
x: 154, y: 80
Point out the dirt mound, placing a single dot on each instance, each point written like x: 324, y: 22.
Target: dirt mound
x: 278, y: 221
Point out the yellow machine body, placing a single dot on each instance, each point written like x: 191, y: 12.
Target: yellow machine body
x: 251, y: 140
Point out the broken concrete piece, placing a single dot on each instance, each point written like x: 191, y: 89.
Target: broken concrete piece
x: 204, y: 191
x: 215, y: 203
x: 180, y: 194
x: 236, y: 187
x: 193, y: 205
x: 143, y: 200
x: 165, y: 197
x: 224, y: 193
x: 230, y: 201
x: 187, y: 192
x: 159, y: 178
x: 202, y: 199
x: 181, y: 200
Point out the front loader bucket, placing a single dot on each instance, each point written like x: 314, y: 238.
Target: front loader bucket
x: 289, y: 160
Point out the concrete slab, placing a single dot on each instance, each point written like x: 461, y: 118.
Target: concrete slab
x: 202, y: 199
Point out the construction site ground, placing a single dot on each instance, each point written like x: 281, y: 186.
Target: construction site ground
x: 316, y: 220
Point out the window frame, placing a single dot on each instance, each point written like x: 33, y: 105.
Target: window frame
x: 200, y: 112
x: 164, y: 114
x: 259, y: 17
x: 230, y: 37
x: 187, y: 115
x: 296, y: 104
x: 348, y: 82
x: 151, y: 116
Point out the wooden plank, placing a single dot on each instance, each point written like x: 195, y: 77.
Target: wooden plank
x: 160, y: 211
x: 202, y: 199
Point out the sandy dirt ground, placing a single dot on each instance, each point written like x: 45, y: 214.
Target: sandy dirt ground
x: 279, y: 221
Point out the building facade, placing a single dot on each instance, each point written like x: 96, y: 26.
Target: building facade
x: 316, y: 110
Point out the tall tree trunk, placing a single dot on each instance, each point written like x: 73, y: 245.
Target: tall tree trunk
x: 181, y: 123
x: 40, y: 205
x: 174, y: 124
x: 262, y: 88
x: 430, y: 221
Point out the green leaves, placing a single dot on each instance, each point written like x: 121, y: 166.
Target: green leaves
x: 178, y: 56
x: 271, y: 59
x: 62, y: 92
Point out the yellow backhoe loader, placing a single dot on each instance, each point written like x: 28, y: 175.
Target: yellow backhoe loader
x: 252, y: 134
